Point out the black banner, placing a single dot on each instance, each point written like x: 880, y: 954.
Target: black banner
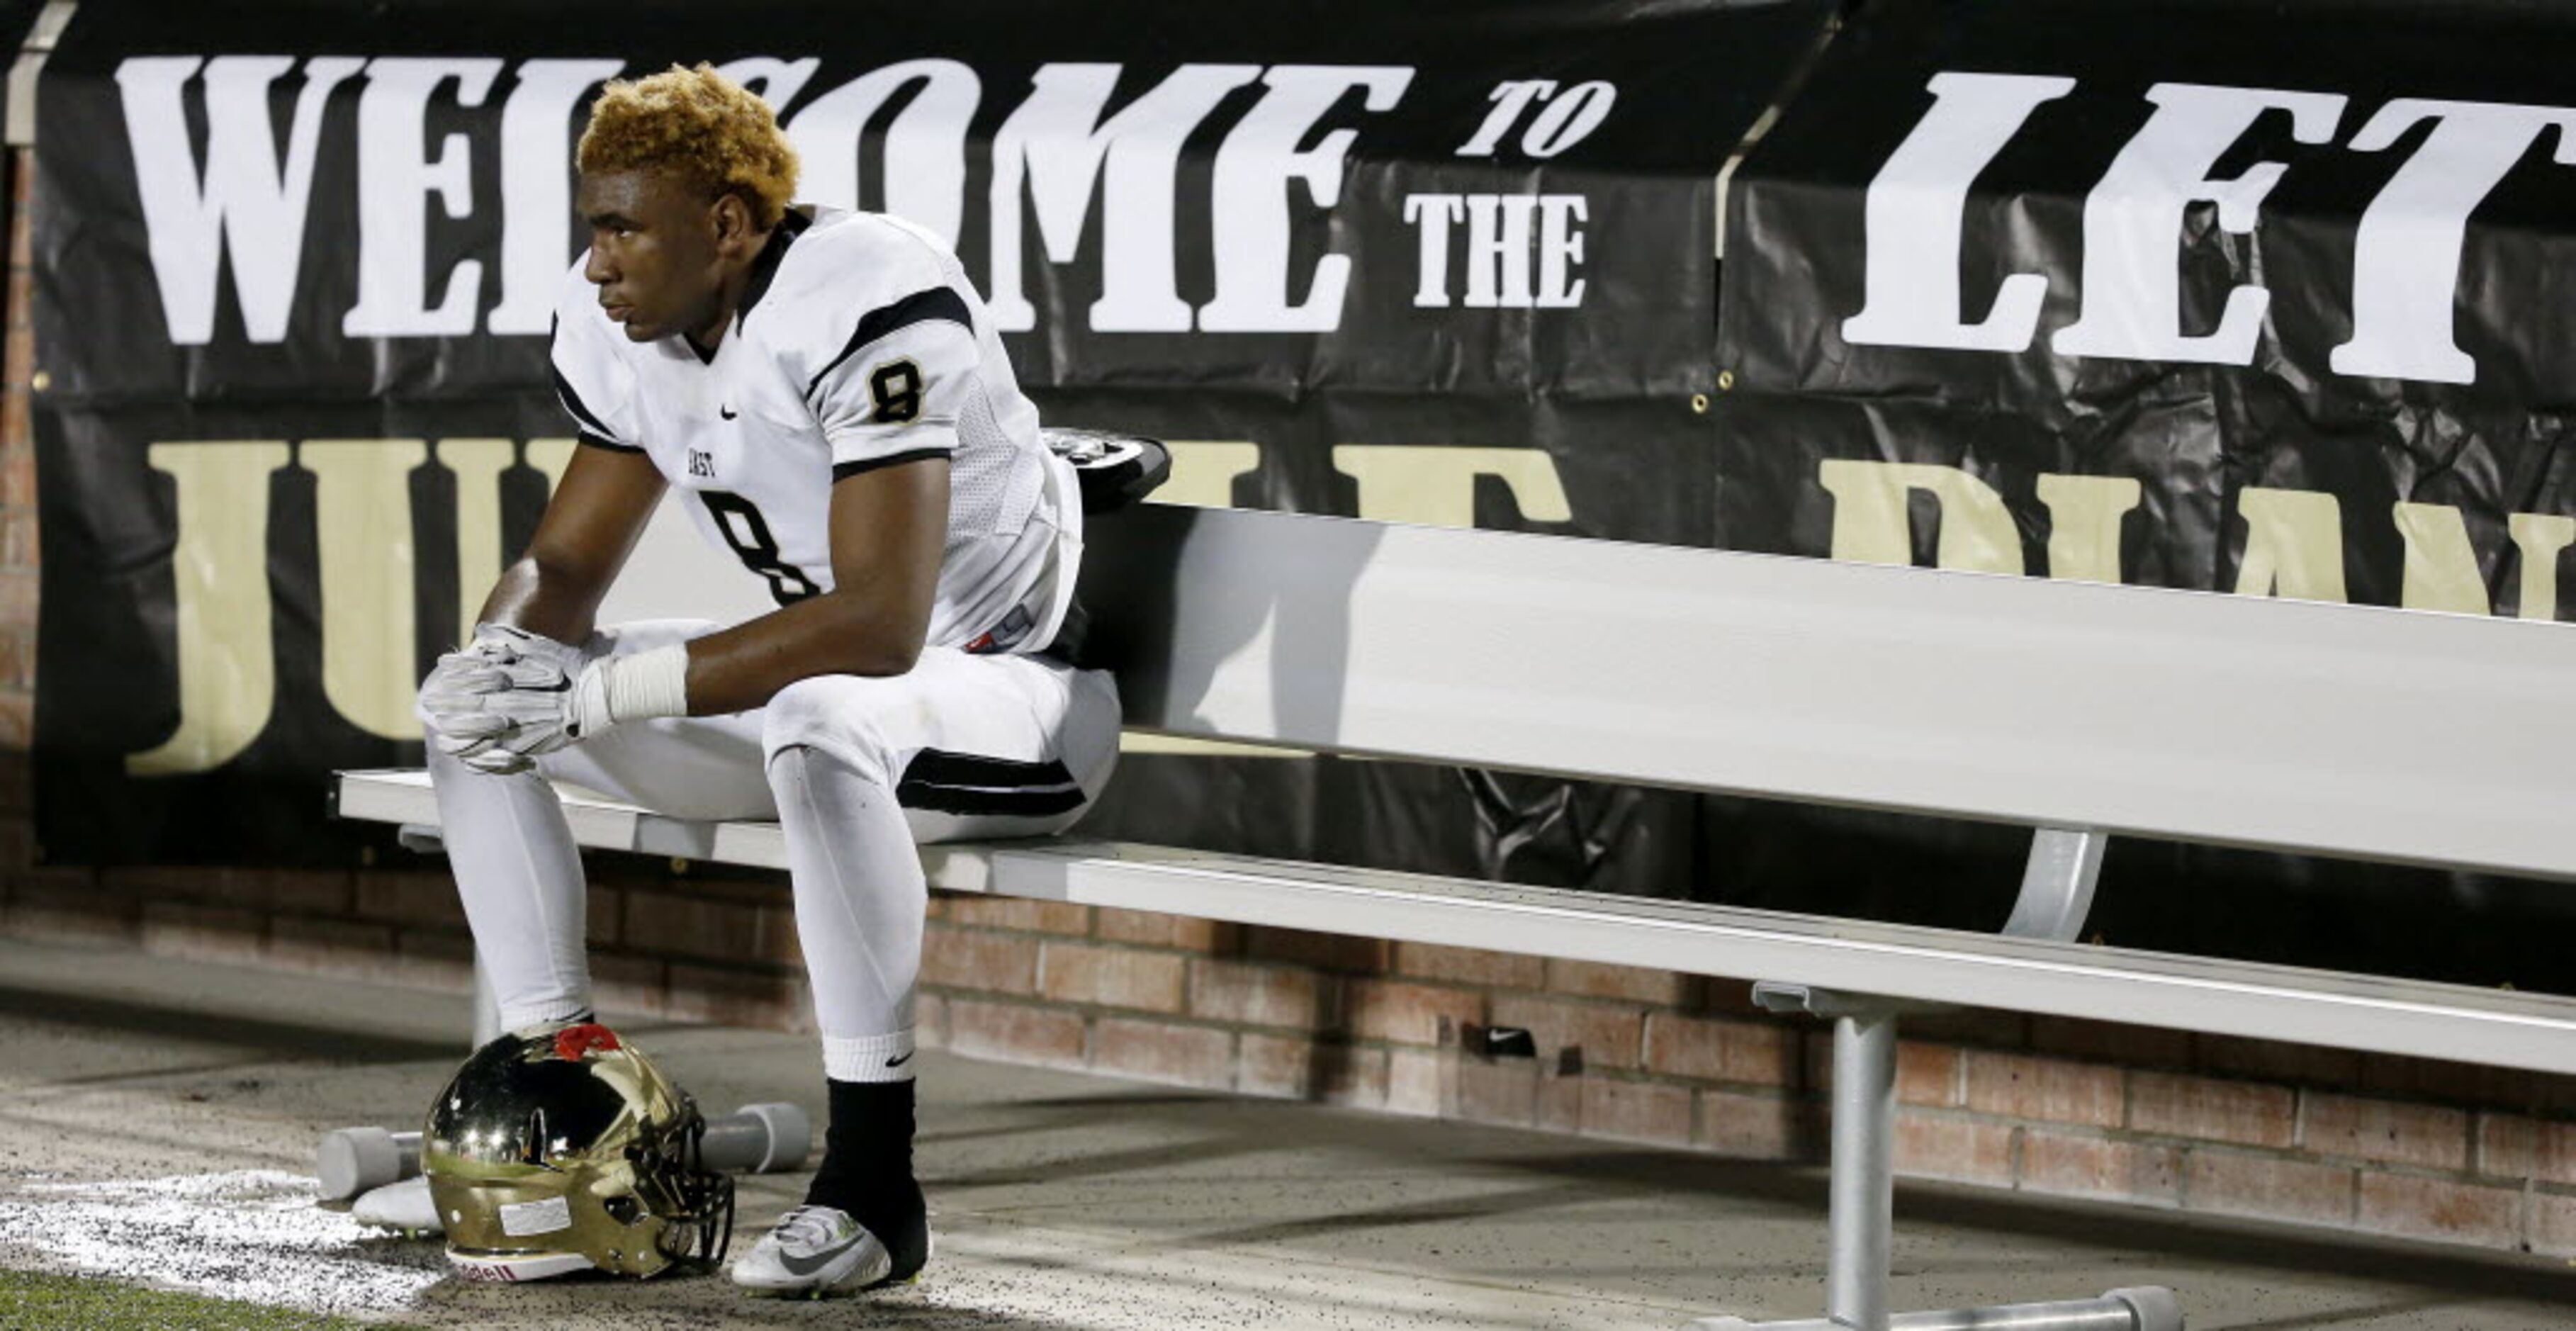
x: 1443, y: 263
x: 18, y: 21
x: 2256, y: 299
x: 2193, y: 295
x: 2241, y: 299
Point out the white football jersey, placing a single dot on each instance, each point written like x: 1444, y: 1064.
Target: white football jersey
x: 860, y: 344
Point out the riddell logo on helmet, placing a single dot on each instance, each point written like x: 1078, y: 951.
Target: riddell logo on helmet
x: 574, y: 1041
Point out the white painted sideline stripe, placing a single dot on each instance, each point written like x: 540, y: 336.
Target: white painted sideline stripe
x: 248, y: 1234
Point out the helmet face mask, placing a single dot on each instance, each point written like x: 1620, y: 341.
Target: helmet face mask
x: 561, y: 1150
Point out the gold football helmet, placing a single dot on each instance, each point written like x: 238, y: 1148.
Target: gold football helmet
x: 555, y: 1150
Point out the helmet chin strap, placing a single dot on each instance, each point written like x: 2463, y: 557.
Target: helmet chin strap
x: 702, y: 1237
x: 719, y: 1231
x: 707, y: 1195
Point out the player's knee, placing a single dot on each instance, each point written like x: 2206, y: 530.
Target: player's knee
x: 830, y: 713
x: 443, y: 767
x: 432, y: 694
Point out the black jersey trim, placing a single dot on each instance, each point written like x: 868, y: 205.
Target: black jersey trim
x: 966, y: 783
x: 764, y: 268
x: 603, y: 441
x: 942, y: 768
x: 842, y: 471
x: 570, y: 400
x: 991, y: 803
x: 919, y: 307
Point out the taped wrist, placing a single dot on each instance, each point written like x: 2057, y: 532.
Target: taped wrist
x: 648, y: 684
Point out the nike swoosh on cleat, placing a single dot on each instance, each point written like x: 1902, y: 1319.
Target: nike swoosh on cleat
x: 806, y: 1266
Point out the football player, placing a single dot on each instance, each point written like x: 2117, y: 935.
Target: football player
x: 830, y: 399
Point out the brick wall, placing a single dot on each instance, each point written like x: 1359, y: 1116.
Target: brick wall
x: 2132, y: 1114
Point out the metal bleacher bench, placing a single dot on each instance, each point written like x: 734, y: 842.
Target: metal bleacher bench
x: 2081, y: 711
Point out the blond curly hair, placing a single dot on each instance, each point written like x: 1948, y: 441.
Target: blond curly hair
x: 701, y: 124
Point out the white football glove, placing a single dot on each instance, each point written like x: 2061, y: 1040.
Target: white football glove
x: 511, y: 696
x: 447, y: 692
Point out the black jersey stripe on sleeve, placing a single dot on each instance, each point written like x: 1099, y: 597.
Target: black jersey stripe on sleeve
x: 919, y: 307
x: 842, y: 471
x: 603, y: 441
x: 580, y: 412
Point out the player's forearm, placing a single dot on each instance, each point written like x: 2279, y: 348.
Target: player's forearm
x: 546, y: 598
x: 839, y: 633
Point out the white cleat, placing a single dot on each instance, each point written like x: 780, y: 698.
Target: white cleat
x: 403, y: 1206
x: 815, y: 1251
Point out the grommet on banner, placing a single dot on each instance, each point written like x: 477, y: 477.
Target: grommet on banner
x: 1725, y: 380
x: 1699, y: 403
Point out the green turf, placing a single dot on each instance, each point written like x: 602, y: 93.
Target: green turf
x: 29, y: 1301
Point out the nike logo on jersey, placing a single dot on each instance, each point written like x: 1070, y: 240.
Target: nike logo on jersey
x: 727, y: 412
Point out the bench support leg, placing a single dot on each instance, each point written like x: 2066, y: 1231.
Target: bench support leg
x: 2120, y: 1310
x: 1863, y: 1204
x: 1863, y: 1199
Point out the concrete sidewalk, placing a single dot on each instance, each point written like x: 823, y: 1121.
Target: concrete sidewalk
x: 158, y: 1120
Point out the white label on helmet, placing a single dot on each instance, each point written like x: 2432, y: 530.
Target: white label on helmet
x: 543, y: 1217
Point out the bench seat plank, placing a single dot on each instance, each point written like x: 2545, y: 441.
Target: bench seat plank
x: 2402, y: 1017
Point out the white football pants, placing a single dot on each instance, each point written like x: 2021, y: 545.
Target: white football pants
x: 856, y: 771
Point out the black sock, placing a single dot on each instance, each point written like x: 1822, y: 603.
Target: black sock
x: 867, y: 1168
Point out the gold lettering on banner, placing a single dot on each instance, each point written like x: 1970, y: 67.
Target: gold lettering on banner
x: 362, y: 521
x: 1872, y: 525
x: 2084, y: 515
x: 219, y: 569
x: 550, y: 456
x: 2441, y: 566
x: 2539, y: 537
x: 1204, y: 471
x: 1203, y: 476
x: 2293, y: 538
x: 2293, y: 545
x: 478, y: 464
x: 1436, y: 487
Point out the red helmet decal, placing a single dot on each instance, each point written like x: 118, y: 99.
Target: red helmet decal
x: 574, y: 1041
